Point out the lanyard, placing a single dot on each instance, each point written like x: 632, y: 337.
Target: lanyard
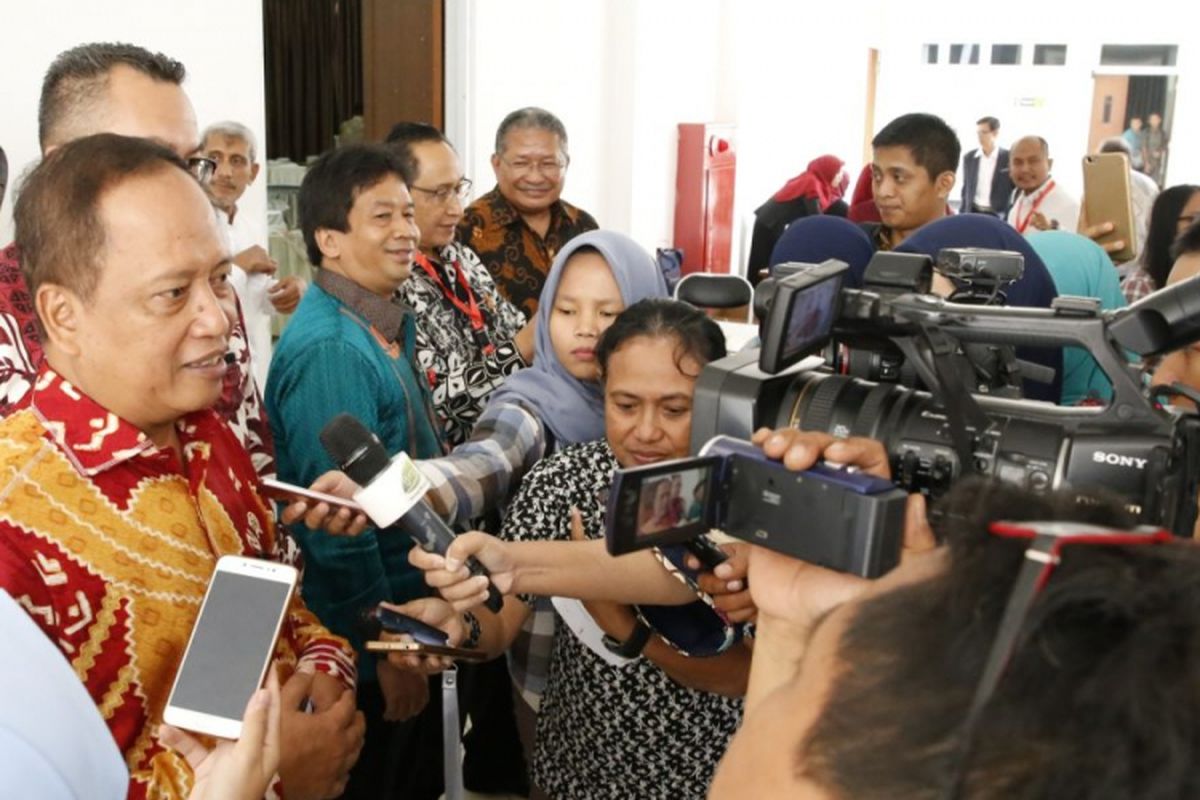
x: 470, y: 307
x: 1022, y: 224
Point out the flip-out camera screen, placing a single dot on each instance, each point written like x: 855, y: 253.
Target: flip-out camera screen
x: 802, y: 315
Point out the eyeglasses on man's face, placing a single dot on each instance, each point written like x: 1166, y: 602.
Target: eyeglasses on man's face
x: 442, y: 194
x: 202, y: 168
x: 550, y: 167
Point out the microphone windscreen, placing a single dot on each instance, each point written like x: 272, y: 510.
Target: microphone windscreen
x: 354, y: 449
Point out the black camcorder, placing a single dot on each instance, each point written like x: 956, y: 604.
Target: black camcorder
x: 1147, y: 455
x: 853, y: 522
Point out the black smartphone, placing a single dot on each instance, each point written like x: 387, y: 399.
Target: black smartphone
x: 395, y: 622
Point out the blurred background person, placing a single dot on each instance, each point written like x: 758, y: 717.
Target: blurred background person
x: 1173, y: 212
x: 817, y: 190
x: 987, y: 187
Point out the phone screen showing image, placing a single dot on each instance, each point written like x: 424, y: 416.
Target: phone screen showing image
x: 232, y: 640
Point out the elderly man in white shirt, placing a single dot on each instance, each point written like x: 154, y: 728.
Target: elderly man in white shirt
x: 1040, y: 203
x: 232, y: 147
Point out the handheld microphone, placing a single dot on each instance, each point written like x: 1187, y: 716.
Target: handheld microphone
x: 392, y: 490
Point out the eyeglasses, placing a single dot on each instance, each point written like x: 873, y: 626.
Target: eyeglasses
x: 550, y: 167
x: 1041, y: 557
x: 442, y: 195
x: 202, y: 168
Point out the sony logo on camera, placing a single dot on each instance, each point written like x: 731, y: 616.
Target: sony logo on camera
x: 1118, y: 460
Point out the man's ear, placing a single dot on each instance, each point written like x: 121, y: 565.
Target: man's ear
x: 1049, y: 164
x: 253, y: 172
x: 328, y: 242
x: 496, y: 164
x: 59, y: 310
x: 944, y: 183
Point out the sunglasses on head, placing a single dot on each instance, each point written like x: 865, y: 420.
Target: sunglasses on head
x: 1042, y: 556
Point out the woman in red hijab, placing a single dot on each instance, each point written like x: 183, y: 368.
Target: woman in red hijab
x: 817, y: 190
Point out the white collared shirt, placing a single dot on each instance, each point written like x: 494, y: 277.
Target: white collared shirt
x: 987, y: 171
x: 1059, y: 208
x: 252, y: 292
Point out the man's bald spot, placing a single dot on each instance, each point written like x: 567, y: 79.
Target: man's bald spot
x: 1026, y: 142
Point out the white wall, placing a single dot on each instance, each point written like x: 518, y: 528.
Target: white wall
x: 792, y: 76
x: 219, y: 41
x: 622, y: 74
x: 1054, y: 102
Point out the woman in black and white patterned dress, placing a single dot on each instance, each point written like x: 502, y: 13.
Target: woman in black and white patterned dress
x: 654, y: 726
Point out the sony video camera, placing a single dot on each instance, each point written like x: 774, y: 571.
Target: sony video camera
x: 853, y: 522
x: 978, y: 277
x: 1146, y: 455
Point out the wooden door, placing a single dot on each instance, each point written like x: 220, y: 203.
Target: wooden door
x: 1108, y: 109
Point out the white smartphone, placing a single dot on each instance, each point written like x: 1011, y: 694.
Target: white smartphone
x: 231, y: 645
x: 288, y: 493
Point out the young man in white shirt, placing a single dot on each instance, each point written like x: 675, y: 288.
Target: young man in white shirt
x: 1040, y: 204
x: 232, y: 146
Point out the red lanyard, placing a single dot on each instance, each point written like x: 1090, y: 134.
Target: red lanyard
x: 1022, y: 224
x: 470, y: 307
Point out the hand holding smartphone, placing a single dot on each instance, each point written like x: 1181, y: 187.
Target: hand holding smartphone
x: 231, y: 645
x: 1107, y: 197
x: 288, y: 493
x: 426, y: 639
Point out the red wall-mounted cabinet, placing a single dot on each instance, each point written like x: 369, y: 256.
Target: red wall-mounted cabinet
x: 707, y: 166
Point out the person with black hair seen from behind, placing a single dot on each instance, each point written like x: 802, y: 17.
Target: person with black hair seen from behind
x: 1096, y: 698
x: 1174, y: 211
x: 987, y: 186
x: 913, y: 165
x: 518, y: 227
x: 469, y: 337
x: 1040, y: 203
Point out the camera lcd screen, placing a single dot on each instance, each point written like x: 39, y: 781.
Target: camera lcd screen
x: 673, y: 501
x: 802, y: 315
x: 660, y: 504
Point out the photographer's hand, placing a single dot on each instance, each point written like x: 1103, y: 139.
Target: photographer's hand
x: 727, y: 583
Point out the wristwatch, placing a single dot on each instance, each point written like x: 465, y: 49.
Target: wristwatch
x: 633, y: 646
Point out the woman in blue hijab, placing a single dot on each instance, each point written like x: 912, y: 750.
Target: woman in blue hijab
x: 1035, y: 288
x: 550, y: 404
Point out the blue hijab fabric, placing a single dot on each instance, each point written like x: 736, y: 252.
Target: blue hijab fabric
x: 573, y: 410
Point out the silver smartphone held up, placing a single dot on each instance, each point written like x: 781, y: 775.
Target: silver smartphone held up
x: 231, y: 645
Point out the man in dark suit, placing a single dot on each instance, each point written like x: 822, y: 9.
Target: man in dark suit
x: 987, y: 188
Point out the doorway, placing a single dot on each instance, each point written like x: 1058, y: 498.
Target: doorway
x: 1117, y: 100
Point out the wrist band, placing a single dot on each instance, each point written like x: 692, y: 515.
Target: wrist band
x: 633, y: 646
x: 473, y: 631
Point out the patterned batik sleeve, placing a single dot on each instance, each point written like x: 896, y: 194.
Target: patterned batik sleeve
x: 316, y: 646
x: 479, y: 474
x: 508, y: 318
